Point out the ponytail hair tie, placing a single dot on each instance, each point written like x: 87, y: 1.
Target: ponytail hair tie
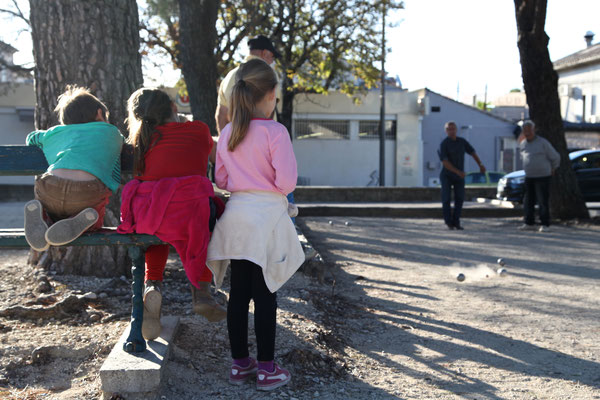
x: 149, y: 120
x: 242, y: 83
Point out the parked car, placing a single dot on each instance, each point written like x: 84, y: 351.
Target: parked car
x: 585, y: 163
x: 488, y: 179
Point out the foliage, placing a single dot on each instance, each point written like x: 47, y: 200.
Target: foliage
x: 329, y: 44
x: 325, y: 43
x: 484, y: 106
x: 236, y: 20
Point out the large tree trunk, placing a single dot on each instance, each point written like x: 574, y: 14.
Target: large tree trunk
x: 541, y: 86
x: 198, y: 34
x: 96, y: 45
x: 287, y: 104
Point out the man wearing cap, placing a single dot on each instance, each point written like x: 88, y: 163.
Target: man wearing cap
x: 260, y: 47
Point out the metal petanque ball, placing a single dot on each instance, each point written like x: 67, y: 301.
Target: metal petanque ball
x: 347, y: 223
x: 501, y: 262
x: 330, y: 222
x: 502, y: 272
x: 460, y: 277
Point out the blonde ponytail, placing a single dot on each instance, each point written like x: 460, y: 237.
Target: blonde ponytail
x: 254, y: 80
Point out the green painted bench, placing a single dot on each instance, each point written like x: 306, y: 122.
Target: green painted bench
x: 29, y: 160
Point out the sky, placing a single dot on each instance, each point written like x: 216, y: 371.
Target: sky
x: 445, y: 45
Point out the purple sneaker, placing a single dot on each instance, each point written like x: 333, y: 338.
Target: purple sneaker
x: 272, y: 380
x: 238, y: 375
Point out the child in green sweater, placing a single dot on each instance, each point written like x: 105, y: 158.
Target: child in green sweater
x: 83, y: 155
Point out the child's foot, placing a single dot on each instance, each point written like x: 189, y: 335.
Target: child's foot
x: 67, y: 230
x: 272, y: 380
x: 151, y: 326
x: 203, y: 303
x: 35, y: 227
x: 238, y: 375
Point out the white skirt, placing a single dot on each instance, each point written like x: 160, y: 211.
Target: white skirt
x: 256, y: 227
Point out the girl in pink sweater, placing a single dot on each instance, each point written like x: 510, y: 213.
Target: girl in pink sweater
x: 255, y: 161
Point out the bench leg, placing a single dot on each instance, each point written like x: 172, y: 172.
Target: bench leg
x: 135, y: 342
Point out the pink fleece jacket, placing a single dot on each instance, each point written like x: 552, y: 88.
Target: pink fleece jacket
x: 177, y: 211
x: 264, y: 160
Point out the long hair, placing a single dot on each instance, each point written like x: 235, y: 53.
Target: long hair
x: 147, y: 109
x: 254, y: 80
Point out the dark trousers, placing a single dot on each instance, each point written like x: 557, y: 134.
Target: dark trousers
x: 247, y: 282
x: 537, y: 190
x: 452, y: 181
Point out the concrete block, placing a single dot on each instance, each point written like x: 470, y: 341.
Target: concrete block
x: 138, y: 373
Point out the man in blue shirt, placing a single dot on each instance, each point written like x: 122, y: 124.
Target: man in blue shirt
x: 452, y: 154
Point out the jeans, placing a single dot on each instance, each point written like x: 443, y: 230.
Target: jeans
x: 290, y: 198
x: 247, y: 282
x: 537, y: 190
x: 450, y: 180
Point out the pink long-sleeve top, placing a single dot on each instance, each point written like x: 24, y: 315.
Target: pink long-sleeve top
x: 264, y: 160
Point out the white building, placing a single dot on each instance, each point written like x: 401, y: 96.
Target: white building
x: 579, y: 83
x: 579, y: 92
x: 337, y: 142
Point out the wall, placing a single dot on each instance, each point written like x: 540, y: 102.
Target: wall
x: 16, y: 121
x: 481, y: 129
x: 354, y: 161
x: 573, y: 85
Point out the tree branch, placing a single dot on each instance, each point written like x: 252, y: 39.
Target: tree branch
x: 20, y: 69
x: 18, y: 13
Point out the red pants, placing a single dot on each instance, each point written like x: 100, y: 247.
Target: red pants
x: 156, y: 260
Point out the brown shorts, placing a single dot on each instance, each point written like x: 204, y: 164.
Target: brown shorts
x: 63, y: 198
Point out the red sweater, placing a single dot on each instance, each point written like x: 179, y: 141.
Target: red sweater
x: 180, y: 149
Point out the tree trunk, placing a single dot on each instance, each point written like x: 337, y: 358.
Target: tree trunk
x: 198, y: 34
x: 95, y: 45
x: 287, y: 104
x: 541, y: 86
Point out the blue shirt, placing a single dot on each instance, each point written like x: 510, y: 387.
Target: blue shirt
x: 94, y: 147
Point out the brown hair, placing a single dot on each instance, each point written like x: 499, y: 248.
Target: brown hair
x: 148, y: 109
x: 78, y: 106
x: 254, y: 80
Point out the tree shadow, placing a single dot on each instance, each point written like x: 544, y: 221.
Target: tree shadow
x: 407, y: 332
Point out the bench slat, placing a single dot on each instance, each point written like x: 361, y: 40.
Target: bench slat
x: 16, y: 160
x: 106, y: 236
x: 22, y: 160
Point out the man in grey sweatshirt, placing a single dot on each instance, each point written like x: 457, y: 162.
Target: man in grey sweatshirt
x: 540, y: 160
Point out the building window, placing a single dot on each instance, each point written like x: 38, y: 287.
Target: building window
x: 321, y: 129
x: 370, y: 130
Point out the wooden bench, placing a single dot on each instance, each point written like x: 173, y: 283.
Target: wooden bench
x: 30, y: 160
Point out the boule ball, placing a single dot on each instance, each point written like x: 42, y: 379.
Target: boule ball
x: 460, y: 277
x: 501, y: 262
x: 501, y: 271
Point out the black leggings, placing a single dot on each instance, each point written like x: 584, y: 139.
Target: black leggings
x: 247, y: 282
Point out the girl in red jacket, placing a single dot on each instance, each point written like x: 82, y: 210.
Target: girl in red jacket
x: 170, y: 197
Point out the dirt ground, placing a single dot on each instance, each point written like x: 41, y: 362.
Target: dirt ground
x: 386, y: 319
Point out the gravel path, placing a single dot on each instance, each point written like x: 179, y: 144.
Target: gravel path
x: 389, y: 319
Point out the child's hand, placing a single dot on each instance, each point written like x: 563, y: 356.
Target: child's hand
x: 292, y: 210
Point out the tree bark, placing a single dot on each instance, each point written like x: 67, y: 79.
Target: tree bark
x: 198, y: 34
x: 95, y: 45
x: 287, y: 104
x: 541, y: 86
